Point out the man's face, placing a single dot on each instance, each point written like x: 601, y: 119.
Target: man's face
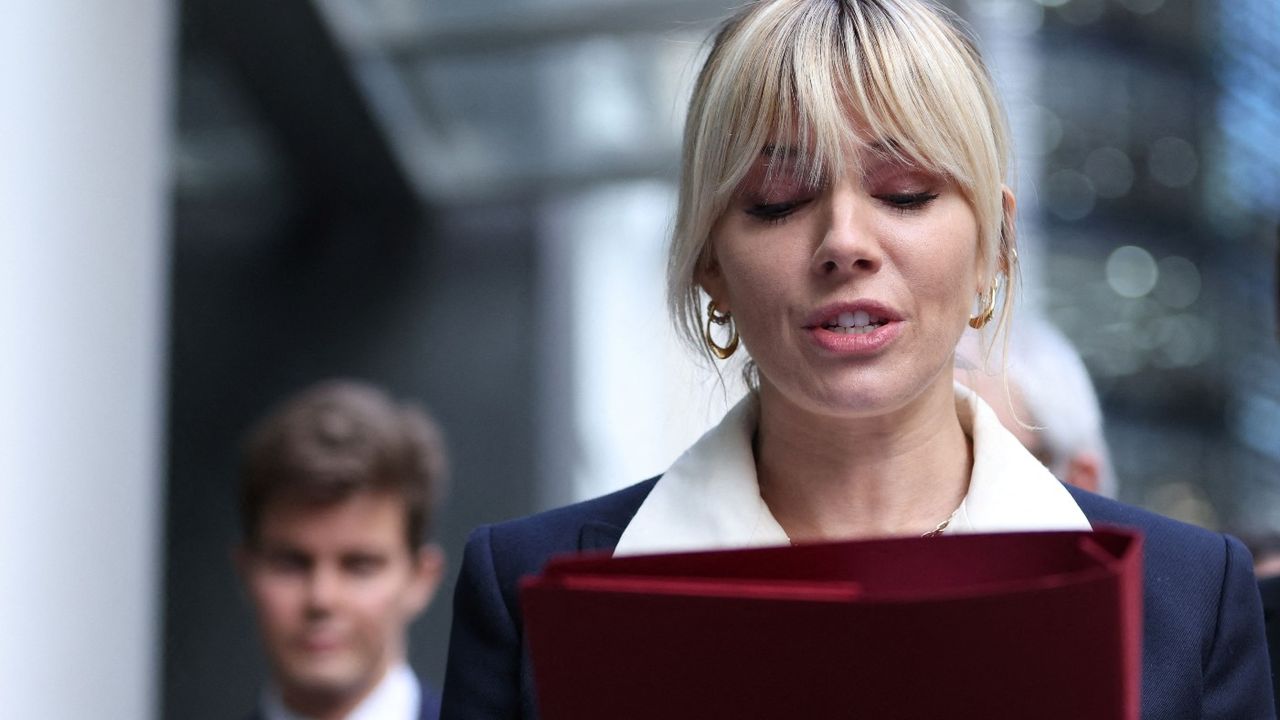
x: 335, y: 587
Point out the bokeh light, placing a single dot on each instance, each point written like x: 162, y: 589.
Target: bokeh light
x: 1131, y: 271
x: 1070, y: 195
x: 1111, y: 172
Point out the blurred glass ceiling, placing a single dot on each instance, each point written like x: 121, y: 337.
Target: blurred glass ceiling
x: 492, y: 100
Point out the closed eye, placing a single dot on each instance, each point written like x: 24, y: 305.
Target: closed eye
x: 907, y: 201
x: 360, y: 564
x: 775, y: 212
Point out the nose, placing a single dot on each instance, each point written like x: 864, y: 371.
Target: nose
x: 324, y: 587
x: 848, y: 244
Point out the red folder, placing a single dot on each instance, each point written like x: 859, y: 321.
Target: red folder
x: 1021, y: 625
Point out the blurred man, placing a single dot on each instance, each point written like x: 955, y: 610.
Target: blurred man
x: 1049, y: 404
x: 336, y: 498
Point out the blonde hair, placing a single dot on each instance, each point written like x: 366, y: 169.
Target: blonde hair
x: 902, y: 76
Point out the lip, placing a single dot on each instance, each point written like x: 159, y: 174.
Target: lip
x: 849, y: 344
x: 320, y: 644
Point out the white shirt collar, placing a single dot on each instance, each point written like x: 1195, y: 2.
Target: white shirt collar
x: 710, y: 497
x: 1009, y: 490
x: 395, y: 697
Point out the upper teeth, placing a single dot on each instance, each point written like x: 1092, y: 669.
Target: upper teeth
x: 856, y: 319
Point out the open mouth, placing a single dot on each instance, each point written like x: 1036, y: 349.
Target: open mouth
x: 857, y: 322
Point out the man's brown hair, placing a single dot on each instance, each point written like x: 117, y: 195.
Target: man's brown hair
x: 337, y: 439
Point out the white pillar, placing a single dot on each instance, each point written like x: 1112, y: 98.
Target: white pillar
x: 637, y: 397
x: 84, y: 118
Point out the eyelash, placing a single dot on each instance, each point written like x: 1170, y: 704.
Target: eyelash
x: 774, y: 213
x: 906, y: 202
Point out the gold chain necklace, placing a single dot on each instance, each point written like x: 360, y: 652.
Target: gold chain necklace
x: 941, y: 526
x: 932, y: 533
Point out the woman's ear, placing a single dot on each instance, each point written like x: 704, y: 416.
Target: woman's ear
x: 1007, y: 261
x: 711, y: 278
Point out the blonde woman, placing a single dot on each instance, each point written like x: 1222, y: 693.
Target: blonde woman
x: 843, y: 217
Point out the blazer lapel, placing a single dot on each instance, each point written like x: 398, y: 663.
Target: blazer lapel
x: 596, y: 535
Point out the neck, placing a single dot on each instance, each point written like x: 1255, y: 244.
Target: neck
x: 826, y: 478
x: 327, y: 704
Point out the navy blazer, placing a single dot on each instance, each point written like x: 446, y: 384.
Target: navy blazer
x: 1204, y: 652
x: 1271, y: 610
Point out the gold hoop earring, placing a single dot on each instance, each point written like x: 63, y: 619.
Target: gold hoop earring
x: 979, y: 321
x: 714, y: 315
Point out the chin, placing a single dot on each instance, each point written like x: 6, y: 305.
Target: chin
x: 860, y: 396
x: 856, y: 404
x: 327, y: 676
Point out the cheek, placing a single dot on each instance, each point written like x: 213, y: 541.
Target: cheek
x: 279, y: 604
x: 948, y: 270
x: 759, y: 303
x: 381, y: 606
x: 756, y: 277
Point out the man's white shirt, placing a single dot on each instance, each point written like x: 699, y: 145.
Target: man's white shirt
x: 396, y: 697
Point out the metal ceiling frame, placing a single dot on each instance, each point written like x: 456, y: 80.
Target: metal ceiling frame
x: 300, y: 80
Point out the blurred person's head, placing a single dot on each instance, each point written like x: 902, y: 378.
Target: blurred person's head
x: 337, y: 492
x: 1265, y: 548
x: 1042, y: 392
